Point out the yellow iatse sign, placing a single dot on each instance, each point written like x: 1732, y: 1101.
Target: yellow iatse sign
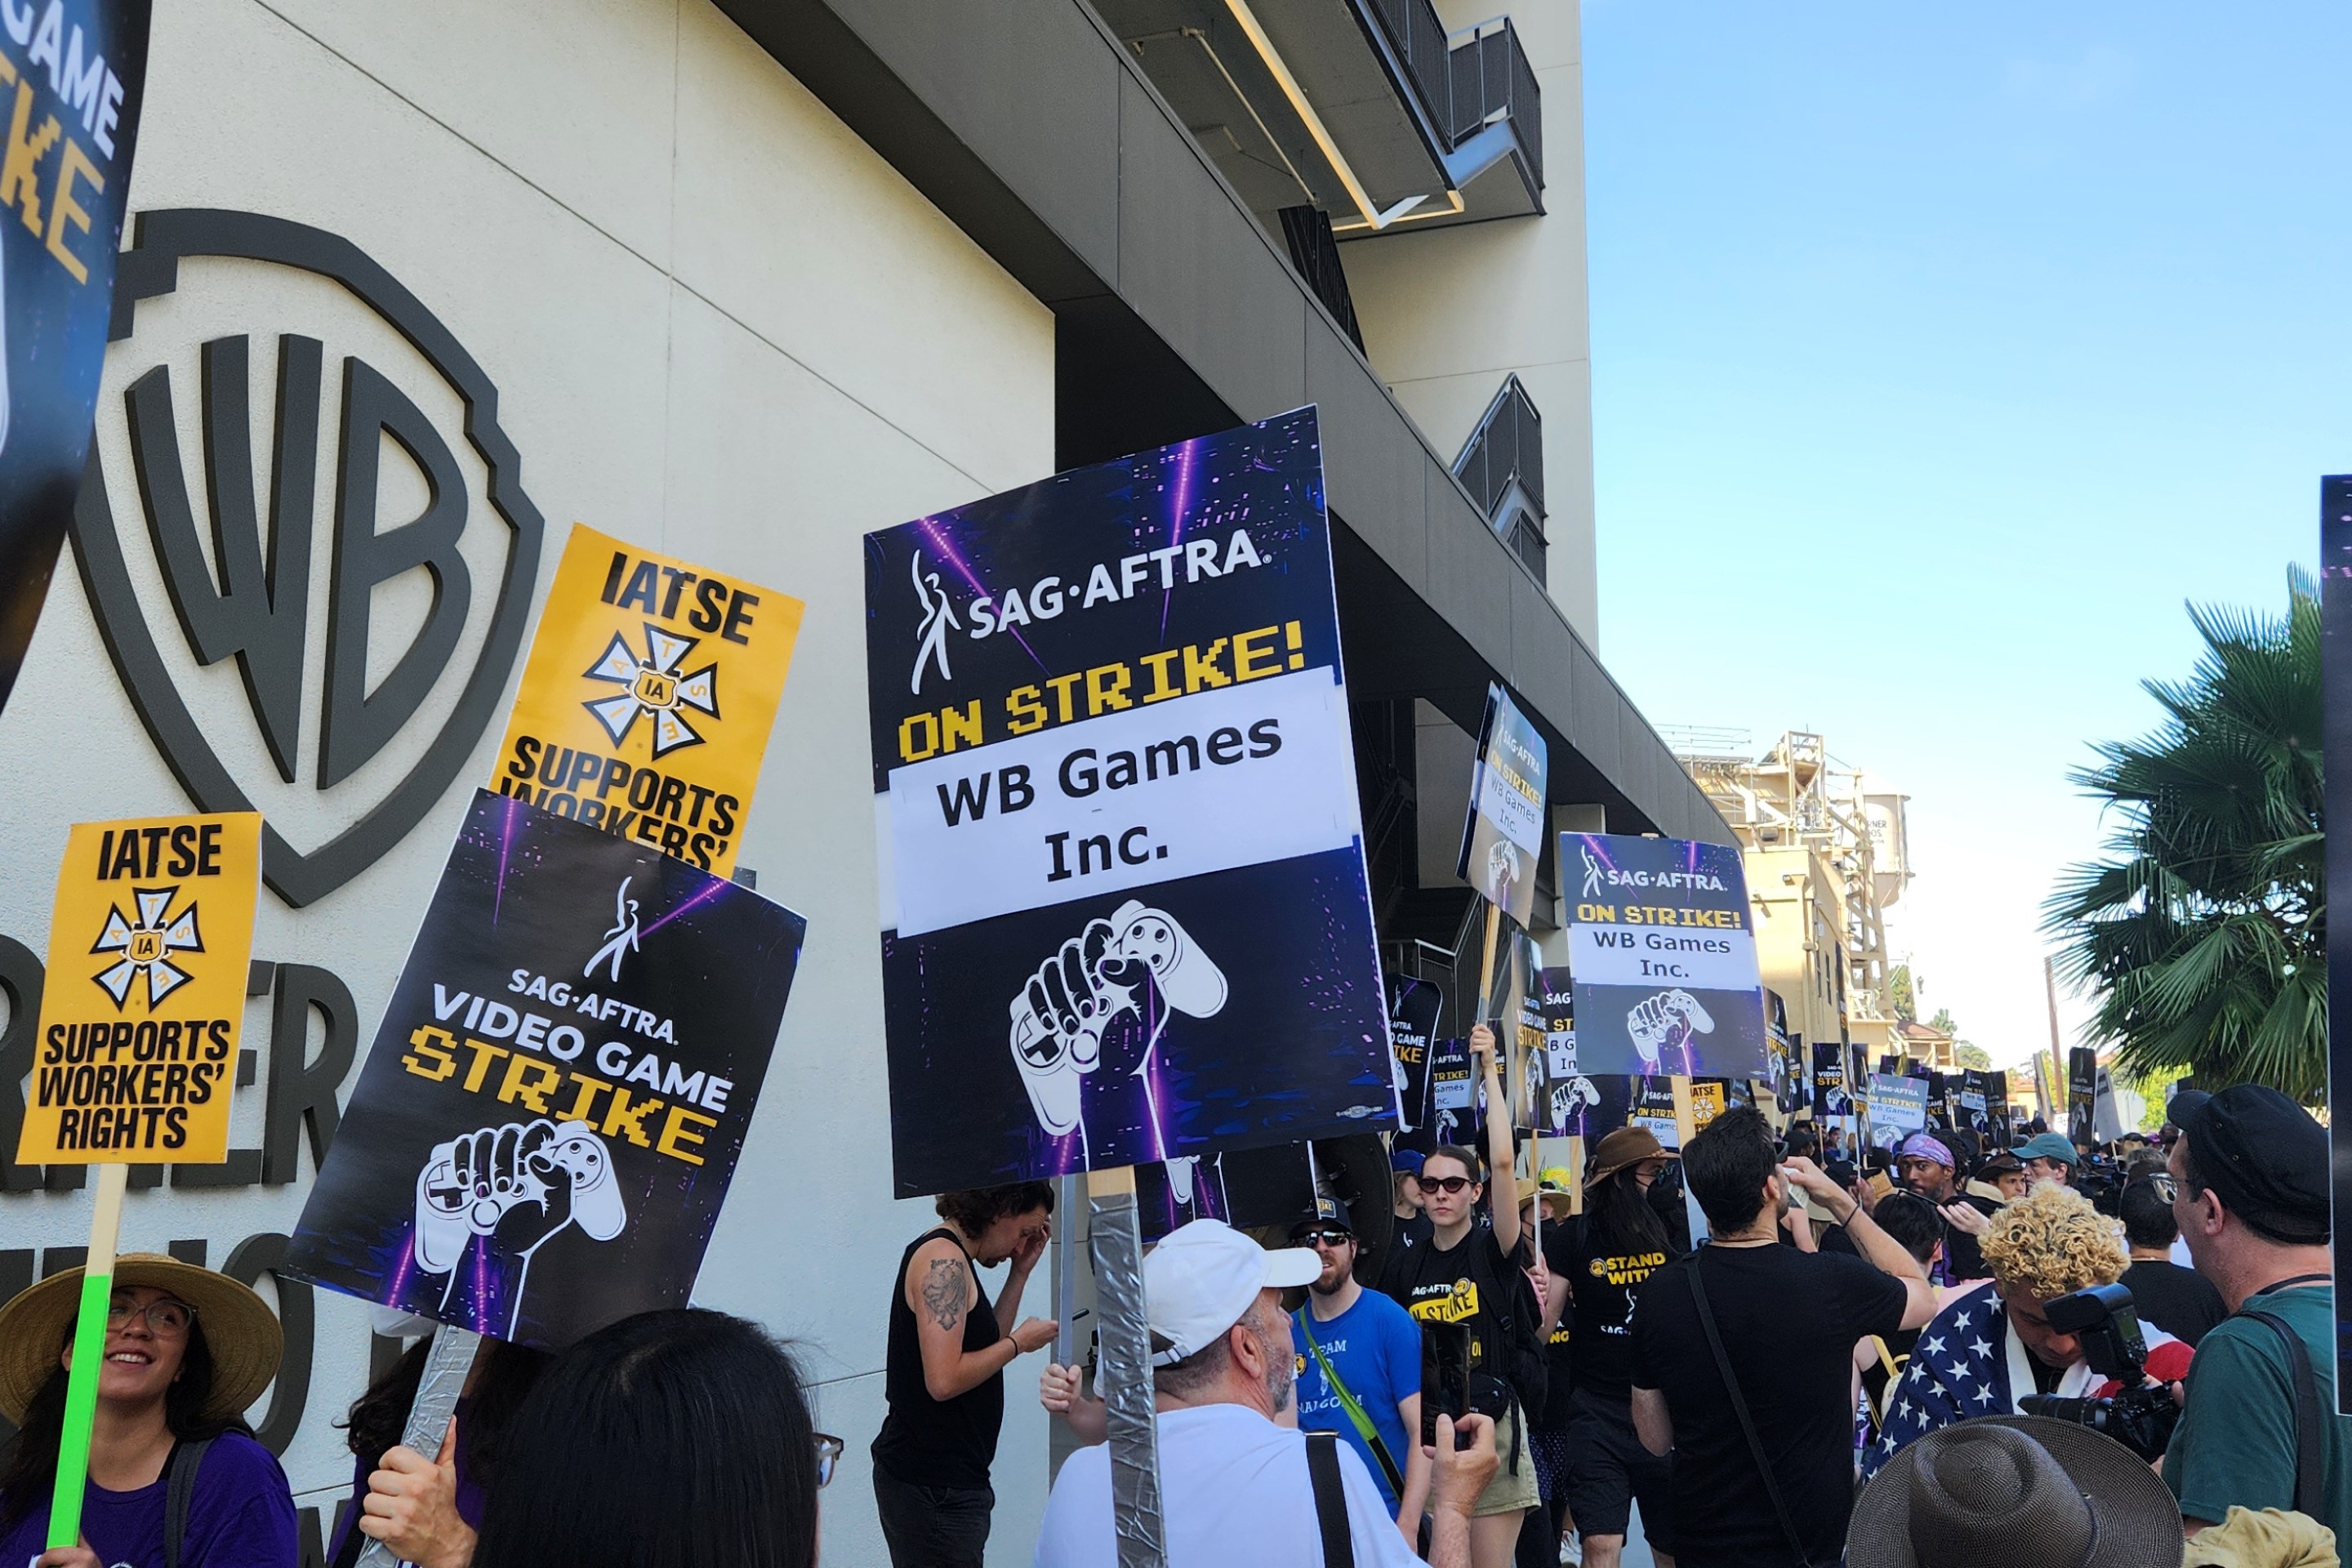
x: 148, y: 946
x: 645, y: 707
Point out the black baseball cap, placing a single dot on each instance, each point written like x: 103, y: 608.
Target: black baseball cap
x: 2265, y: 1158
x: 1323, y: 1211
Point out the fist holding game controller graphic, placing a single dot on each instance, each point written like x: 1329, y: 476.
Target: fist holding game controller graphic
x: 521, y: 1183
x: 1666, y: 1022
x: 1125, y: 967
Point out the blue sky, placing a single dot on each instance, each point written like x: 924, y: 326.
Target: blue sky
x: 1939, y: 354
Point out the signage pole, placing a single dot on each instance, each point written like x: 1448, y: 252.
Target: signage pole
x: 447, y: 1366
x: 89, y: 1356
x: 1486, y: 969
x: 1116, y: 1241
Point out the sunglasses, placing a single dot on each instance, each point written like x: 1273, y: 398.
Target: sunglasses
x: 828, y: 1454
x: 1448, y: 1184
x: 1328, y: 1237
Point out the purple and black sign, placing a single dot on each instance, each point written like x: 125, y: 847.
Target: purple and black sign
x: 1663, y: 957
x: 543, y: 1133
x: 1125, y: 915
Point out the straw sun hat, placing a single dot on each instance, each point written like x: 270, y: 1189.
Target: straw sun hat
x: 2022, y: 1491
x: 239, y: 1330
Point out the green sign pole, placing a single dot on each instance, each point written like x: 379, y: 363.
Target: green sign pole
x: 88, y: 1357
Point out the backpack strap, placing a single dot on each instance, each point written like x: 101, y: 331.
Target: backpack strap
x: 1739, y: 1408
x: 1331, y: 1500
x: 2307, y: 1467
x: 186, y: 1460
x: 1353, y: 1408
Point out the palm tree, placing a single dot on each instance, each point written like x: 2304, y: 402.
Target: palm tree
x: 2203, y: 934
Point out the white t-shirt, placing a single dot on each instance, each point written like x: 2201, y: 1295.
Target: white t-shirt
x: 1234, y: 1491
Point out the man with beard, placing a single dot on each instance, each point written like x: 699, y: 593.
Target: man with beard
x: 1236, y: 1484
x: 1358, y: 1366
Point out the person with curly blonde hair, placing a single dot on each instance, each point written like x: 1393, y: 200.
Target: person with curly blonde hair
x: 1989, y: 1349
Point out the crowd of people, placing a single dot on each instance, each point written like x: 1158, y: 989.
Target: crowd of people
x: 1945, y: 1355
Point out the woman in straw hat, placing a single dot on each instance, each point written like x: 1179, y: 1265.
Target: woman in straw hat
x: 176, y: 1480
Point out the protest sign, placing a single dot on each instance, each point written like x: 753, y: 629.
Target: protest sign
x: 135, y: 1049
x: 645, y: 706
x: 1975, y: 1106
x: 1663, y: 957
x: 1457, y: 1099
x: 150, y: 941
x: 1124, y: 908
x: 1559, y: 1097
x: 76, y: 83
x: 1830, y: 1097
x: 1170, y: 1194
x: 1654, y: 1105
x: 540, y: 1138
x: 1502, y: 838
x: 1898, y: 1108
x: 2081, y: 1094
x: 1709, y: 1098
x: 1413, y: 1008
x: 1999, y: 1131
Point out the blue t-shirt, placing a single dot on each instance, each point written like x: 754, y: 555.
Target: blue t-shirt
x: 240, y: 1515
x: 1375, y: 1347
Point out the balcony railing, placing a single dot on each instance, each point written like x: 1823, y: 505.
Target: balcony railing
x: 1307, y: 231
x: 1502, y: 467
x: 1488, y: 79
x: 1419, y: 39
x: 1467, y: 81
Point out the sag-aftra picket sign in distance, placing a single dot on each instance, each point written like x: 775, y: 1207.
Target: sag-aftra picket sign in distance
x: 1124, y: 908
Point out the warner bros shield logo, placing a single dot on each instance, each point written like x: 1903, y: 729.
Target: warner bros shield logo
x: 247, y: 545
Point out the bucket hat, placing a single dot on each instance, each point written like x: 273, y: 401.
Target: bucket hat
x: 240, y: 1331
x: 2021, y: 1490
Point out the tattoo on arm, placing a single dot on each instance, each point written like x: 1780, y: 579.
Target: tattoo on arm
x: 944, y: 1290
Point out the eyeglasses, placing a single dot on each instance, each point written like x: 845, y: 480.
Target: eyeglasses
x: 1332, y: 1236
x: 2166, y: 1187
x: 1448, y: 1184
x: 828, y: 1454
x: 165, y: 1315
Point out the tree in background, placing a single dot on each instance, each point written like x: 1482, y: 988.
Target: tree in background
x: 1901, y: 997
x: 1966, y: 1055
x: 2202, y: 934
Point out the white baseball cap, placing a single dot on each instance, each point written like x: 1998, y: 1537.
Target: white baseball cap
x: 1199, y: 1281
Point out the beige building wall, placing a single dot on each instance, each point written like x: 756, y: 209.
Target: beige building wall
x: 719, y: 325
x: 1447, y: 313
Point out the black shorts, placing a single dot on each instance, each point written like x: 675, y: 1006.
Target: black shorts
x: 1608, y: 1471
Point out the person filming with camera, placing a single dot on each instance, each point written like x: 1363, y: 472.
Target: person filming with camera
x: 1991, y: 1350
x: 2249, y: 1174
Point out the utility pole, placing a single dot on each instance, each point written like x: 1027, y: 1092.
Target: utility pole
x: 2057, y: 1051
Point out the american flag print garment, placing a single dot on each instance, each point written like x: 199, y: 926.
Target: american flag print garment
x: 1967, y: 1363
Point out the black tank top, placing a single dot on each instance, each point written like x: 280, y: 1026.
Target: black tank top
x: 927, y: 1442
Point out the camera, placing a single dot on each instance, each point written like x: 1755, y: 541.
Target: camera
x: 2105, y: 1321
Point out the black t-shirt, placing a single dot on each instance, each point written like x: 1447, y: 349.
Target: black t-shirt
x: 2180, y: 1301
x: 1559, y: 1246
x: 1605, y: 1281
x: 1789, y: 1321
x: 1437, y: 1286
x: 1410, y: 1239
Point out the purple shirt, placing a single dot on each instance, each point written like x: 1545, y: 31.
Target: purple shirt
x: 240, y: 1515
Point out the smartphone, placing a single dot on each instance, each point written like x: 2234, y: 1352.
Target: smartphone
x: 1445, y: 1376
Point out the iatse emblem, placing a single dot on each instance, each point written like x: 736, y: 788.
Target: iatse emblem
x: 656, y: 689
x: 144, y: 945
